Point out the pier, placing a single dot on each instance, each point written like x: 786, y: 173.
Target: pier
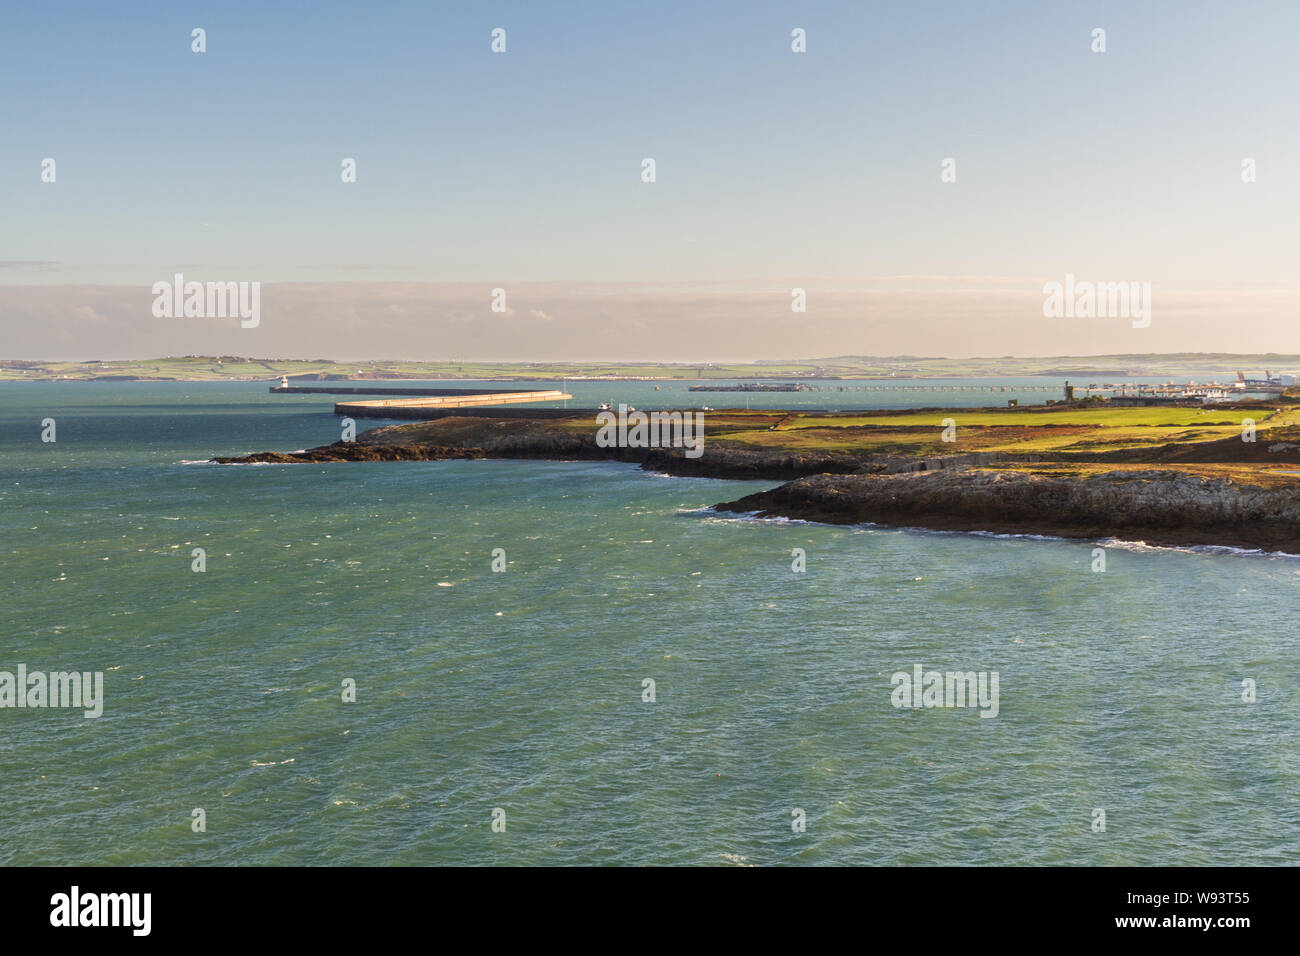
x: 425, y: 406
x: 427, y: 403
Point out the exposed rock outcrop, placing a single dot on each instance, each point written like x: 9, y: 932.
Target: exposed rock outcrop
x: 718, y: 461
x: 1159, y: 507
x: 355, y: 451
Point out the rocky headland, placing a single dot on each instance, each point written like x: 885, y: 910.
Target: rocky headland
x: 1166, y: 484
x: 1160, y: 507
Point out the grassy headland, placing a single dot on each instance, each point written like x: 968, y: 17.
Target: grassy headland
x: 1167, y: 475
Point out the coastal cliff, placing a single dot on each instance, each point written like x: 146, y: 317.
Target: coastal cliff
x: 1159, y: 507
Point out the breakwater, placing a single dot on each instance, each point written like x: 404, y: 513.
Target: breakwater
x: 422, y: 407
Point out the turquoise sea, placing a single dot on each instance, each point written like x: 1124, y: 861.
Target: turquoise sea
x: 1120, y: 691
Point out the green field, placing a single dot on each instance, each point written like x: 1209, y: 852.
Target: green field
x: 1078, y: 438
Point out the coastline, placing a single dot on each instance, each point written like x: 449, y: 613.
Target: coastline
x: 1161, y: 508
x: 834, y: 470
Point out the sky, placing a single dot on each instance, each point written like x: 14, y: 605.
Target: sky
x: 774, y: 170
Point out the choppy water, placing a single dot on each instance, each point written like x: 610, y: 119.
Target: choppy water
x: 523, y: 690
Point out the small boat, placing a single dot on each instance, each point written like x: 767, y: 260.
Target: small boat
x: 706, y: 408
x: 603, y: 407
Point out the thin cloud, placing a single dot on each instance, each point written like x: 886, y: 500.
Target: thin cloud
x: 29, y: 265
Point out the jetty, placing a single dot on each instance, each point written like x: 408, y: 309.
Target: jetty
x: 427, y: 406
x: 424, y: 403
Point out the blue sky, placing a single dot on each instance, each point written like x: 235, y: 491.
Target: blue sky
x: 771, y: 165
x: 526, y: 165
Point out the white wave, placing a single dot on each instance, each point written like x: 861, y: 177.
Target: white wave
x: 1117, y: 543
x: 1221, y: 549
x: 712, y: 514
x: 1005, y: 534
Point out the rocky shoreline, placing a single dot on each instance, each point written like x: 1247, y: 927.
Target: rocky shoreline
x: 958, y: 492
x: 355, y: 451
x: 1160, y: 507
x: 717, y: 462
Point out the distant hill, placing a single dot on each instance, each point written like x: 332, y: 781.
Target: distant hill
x: 200, y: 368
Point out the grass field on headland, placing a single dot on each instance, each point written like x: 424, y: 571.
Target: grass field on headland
x: 1224, y: 474
x: 1079, y: 438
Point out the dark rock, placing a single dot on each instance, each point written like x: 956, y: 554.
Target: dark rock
x: 1158, y: 507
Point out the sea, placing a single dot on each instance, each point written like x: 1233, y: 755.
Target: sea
x: 555, y: 663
